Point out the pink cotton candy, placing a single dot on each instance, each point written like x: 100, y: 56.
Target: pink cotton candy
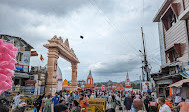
x: 9, y: 82
x: 4, y: 49
x: 9, y: 46
x: 1, y: 56
x: 15, y: 49
x: 3, y: 77
x: 6, y: 64
x: 5, y: 86
x: 7, y: 72
x: 12, y: 53
x: 13, y: 61
x: 7, y: 57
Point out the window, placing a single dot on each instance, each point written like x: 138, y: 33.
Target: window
x: 169, y: 19
x: 19, y: 56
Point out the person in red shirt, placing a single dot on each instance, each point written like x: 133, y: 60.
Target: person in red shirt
x: 83, y: 103
x: 184, y: 107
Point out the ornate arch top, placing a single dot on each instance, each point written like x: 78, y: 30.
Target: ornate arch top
x: 63, y: 48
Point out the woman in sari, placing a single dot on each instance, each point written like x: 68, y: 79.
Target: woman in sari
x: 48, y: 104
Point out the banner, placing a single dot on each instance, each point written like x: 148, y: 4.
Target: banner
x: 146, y: 86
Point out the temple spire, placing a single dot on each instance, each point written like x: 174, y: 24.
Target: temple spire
x: 89, y: 72
x: 90, y: 75
x: 127, y: 81
x: 89, y: 82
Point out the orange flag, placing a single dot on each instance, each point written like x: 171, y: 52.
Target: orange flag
x: 41, y: 58
x: 34, y: 53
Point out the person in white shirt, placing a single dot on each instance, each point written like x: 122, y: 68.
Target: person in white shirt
x: 66, y: 98
x: 17, y: 99
x: 177, y: 99
x: 164, y: 107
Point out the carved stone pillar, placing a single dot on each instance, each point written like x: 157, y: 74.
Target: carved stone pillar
x: 52, y: 71
x: 74, y: 74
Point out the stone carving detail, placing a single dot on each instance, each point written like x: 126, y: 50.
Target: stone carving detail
x: 60, y: 39
x: 55, y: 65
x: 67, y: 43
x: 54, y: 38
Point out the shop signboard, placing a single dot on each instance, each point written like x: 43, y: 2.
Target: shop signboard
x: 184, y: 69
x: 26, y: 57
x: 146, y: 86
x: 30, y: 86
x: 23, y: 68
x: 23, y: 65
x: 30, y: 89
x: 160, y: 82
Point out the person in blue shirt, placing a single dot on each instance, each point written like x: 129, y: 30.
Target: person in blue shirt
x: 77, y: 95
x: 55, y: 99
x: 149, y: 90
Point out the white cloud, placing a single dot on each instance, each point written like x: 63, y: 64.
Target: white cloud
x: 120, y: 64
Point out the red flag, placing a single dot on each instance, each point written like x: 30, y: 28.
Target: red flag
x: 41, y: 58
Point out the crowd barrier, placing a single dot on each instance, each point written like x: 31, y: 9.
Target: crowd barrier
x: 97, y: 105
x: 28, y: 99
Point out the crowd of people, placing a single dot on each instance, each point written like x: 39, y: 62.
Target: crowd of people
x: 74, y: 101
x: 120, y: 100
x: 67, y: 101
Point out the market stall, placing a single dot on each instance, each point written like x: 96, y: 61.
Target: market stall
x: 181, y: 87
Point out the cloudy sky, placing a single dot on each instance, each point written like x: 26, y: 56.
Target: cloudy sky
x: 111, y: 30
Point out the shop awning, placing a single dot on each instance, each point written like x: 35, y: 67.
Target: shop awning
x: 21, y: 75
x: 179, y: 83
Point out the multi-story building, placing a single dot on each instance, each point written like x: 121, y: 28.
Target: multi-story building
x: 173, y: 24
x: 38, y: 76
x: 23, y: 59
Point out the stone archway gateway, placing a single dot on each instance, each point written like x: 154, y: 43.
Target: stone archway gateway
x: 57, y: 48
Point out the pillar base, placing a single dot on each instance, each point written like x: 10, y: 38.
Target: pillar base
x: 50, y: 89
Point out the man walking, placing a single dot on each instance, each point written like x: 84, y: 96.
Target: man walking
x: 55, y: 99
x: 70, y: 100
x: 128, y: 102
x: 164, y: 107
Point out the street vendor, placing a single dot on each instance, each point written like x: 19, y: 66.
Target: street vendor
x: 83, y: 103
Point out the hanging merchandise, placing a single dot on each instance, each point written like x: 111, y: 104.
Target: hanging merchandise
x: 7, y: 64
